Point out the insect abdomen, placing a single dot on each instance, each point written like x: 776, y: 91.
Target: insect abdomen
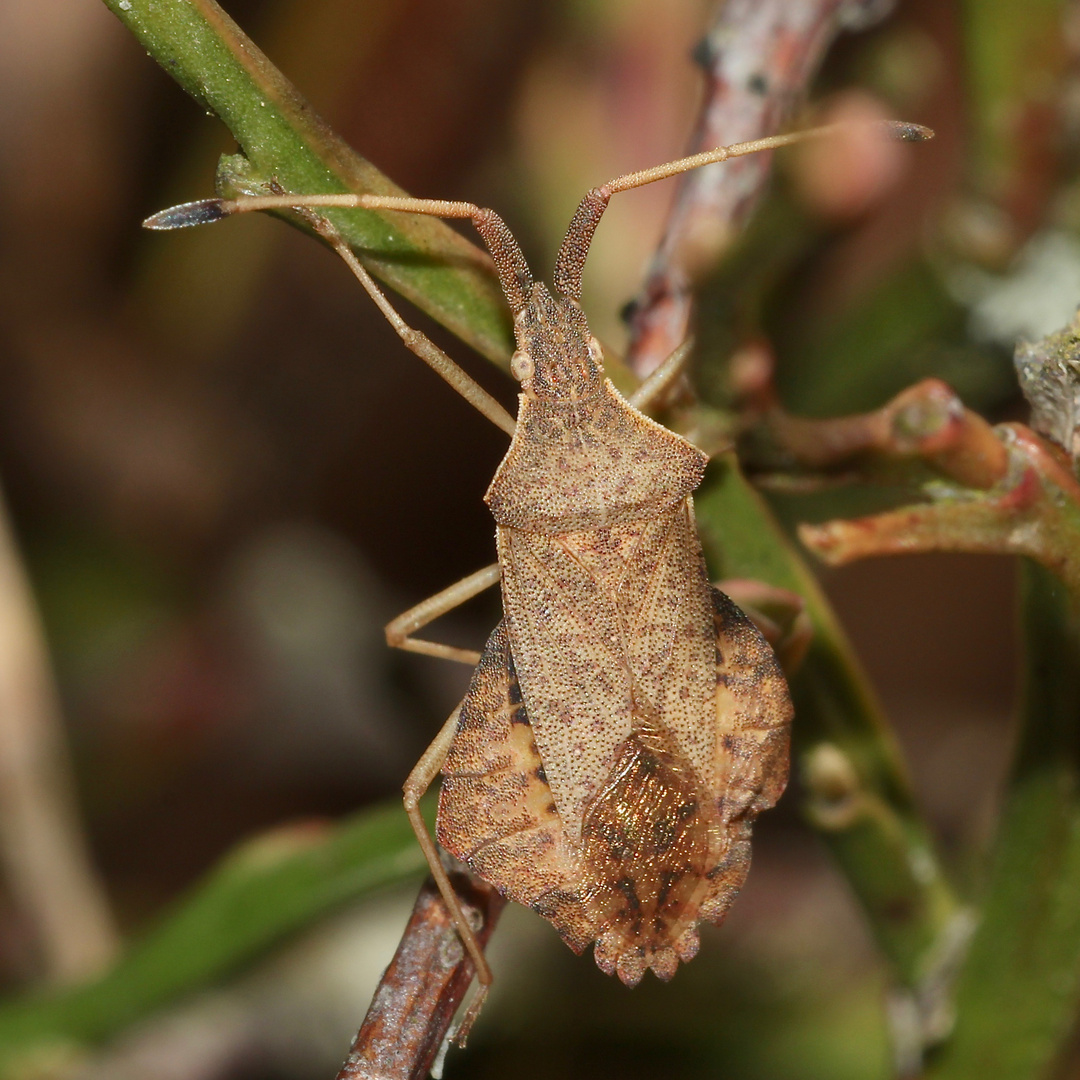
x: 496, y: 811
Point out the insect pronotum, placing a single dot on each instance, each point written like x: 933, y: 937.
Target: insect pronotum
x: 626, y: 722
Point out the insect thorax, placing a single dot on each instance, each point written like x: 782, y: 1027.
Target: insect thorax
x: 590, y: 464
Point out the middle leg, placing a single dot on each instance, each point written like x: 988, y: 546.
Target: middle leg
x: 399, y: 632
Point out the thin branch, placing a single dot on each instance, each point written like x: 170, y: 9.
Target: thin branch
x: 926, y: 424
x: 1003, y: 490
x: 759, y: 57
x: 1033, y: 511
x: 409, y: 1020
x: 43, y: 852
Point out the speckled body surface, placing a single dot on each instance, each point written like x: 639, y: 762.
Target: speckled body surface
x: 627, y: 722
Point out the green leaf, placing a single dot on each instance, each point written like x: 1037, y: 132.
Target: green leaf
x: 863, y: 806
x: 284, y: 142
x: 265, y: 890
x: 1019, y: 993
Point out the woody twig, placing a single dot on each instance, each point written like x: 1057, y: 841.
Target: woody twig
x: 410, y: 1017
x: 925, y: 431
x: 759, y: 57
x: 1034, y: 510
x: 994, y: 490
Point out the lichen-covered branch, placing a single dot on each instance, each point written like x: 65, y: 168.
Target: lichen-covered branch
x: 759, y: 57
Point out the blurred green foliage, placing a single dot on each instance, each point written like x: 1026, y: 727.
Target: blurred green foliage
x: 268, y: 889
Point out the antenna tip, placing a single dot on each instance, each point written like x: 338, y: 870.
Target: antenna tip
x: 905, y: 132
x: 188, y: 214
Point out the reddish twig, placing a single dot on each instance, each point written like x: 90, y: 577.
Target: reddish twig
x: 1007, y: 490
x: 411, y: 1013
x: 1033, y: 511
x: 759, y: 56
x: 927, y: 423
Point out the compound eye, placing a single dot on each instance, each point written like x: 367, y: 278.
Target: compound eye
x: 595, y: 352
x: 521, y: 366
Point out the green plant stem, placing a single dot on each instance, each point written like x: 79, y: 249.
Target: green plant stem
x: 1019, y: 993
x: 217, y: 272
x: 267, y: 889
x: 859, y: 796
x: 283, y: 141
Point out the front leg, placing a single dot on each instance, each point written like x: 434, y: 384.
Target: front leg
x: 399, y: 632
x: 658, y: 383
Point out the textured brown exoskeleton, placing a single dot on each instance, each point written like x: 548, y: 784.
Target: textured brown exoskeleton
x: 626, y: 722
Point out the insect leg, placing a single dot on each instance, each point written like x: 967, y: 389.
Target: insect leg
x: 419, y: 343
x: 420, y: 779
x: 399, y: 632
x: 654, y: 387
